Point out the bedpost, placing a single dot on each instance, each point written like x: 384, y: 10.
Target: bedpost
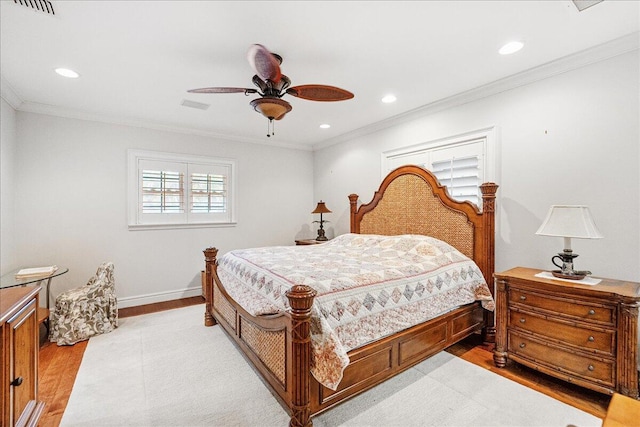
x: 300, y: 300
x: 211, y: 265
x: 488, y: 190
x: 353, y: 202
x: 488, y: 213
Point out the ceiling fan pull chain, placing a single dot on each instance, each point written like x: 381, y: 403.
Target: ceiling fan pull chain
x: 270, y: 128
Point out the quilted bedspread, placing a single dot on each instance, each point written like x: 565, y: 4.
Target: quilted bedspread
x: 368, y: 286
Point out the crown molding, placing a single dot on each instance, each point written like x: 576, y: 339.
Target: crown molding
x: 584, y: 58
x: 8, y: 94
x: 69, y: 113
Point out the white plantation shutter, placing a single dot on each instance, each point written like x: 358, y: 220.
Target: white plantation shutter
x: 162, y: 191
x: 209, y: 191
x: 460, y: 176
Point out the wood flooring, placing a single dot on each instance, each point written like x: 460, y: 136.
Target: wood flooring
x: 59, y: 366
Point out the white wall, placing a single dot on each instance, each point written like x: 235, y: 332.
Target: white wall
x: 569, y: 139
x: 71, y: 178
x: 8, y: 147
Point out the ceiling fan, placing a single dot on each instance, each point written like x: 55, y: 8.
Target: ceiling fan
x: 273, y: 85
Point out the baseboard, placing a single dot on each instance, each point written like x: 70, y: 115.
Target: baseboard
x: 158, y: 297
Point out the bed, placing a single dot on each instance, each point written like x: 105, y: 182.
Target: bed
x: 282, y: 344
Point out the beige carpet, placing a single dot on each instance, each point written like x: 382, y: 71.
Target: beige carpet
x: 167, y: 369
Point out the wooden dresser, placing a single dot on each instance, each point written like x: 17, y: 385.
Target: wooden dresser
x: 584, y: 334
x: 19, y: 330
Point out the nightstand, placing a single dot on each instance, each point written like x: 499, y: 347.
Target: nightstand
x: 580, y: 333
x: 309, y: 242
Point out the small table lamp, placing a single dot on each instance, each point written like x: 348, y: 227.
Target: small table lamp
x: 321, y: 208
x: 569, y: 222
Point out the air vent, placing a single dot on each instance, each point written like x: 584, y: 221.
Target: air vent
x: 41, y: 5
x: 583, y: 4
x: 193, y: 104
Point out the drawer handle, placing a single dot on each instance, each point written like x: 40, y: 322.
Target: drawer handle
x: 16, y: 382
x: 523, y: 298
x: 592, y: 312
x: 522, y: 345
x: 591, y: 368
x: 591, y: 339
x: 523, y: 320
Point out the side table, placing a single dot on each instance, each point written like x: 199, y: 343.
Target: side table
x: 304, y: 242
x: 9, y: 281
x: 586, y: 334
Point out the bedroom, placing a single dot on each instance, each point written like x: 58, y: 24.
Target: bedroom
x: 568, y: 135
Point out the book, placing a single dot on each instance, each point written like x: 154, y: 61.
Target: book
x: 35, y: 272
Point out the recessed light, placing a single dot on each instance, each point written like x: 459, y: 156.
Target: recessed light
x: 388, y: 99
x: 65, y: 72
x: 511, y: 47
x: 325, y: 126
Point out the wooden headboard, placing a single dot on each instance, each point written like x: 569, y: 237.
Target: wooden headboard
x: 410, y: 200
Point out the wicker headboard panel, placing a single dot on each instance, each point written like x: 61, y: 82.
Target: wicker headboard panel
x: 411, y: 201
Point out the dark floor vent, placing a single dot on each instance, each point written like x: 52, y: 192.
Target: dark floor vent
x: 41, y: 5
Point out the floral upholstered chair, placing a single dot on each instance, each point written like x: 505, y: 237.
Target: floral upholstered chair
x: 86, y: 311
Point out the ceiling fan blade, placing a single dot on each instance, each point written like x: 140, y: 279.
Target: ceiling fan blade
x: 320, y: 93
x: 265, y: 63
x: 222, y: 90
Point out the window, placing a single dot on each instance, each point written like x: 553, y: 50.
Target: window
x: 171, y: 190
x: 461, y: 163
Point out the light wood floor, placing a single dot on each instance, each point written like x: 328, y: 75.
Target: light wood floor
x: 59, y: 366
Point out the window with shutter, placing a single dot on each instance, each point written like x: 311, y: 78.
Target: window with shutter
x: 162, y: 191
x: 461, y: 163
x: 460, y: 176
x: 171, y: 190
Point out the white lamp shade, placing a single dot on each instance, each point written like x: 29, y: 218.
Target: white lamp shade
x: 569, y: 221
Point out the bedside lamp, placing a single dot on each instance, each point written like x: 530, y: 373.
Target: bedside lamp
x: 569, y: 222
x: 321, y: 209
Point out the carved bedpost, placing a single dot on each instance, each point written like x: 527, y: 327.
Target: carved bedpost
x: 489, y: 214
x: 488, y: 190
x: 353, y: 202
x: 300, y: 300
x: 628, y: 354
x: 211, y: 265
x: 500, y: 351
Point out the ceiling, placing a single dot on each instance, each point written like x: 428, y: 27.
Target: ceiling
x: 137, y: 59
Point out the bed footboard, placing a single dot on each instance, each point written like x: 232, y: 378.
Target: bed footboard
x: 278, y: 346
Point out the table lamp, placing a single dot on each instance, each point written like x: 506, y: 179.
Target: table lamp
x: 569, y: 221
x: 321, y: 209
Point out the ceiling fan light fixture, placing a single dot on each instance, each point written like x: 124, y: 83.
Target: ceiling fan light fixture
x: 271, y: 108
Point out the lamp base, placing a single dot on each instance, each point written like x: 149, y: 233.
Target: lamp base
x: 321, y: 237
x: 576, y: 275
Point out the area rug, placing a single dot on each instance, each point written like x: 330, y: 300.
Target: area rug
x: 167, y: 369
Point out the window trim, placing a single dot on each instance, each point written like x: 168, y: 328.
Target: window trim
x: 133, y: 158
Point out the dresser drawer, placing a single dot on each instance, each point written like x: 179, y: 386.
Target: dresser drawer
x: 587, y: 368
x: 564, y: 306
x: 587, y: 339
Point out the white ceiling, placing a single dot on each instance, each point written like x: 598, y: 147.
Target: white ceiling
x: 137, y: 59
